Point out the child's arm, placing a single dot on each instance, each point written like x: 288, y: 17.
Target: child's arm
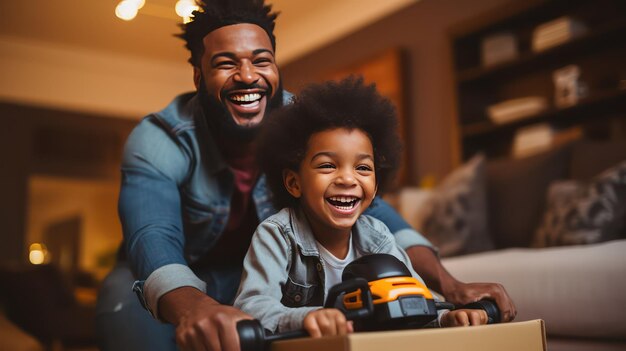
x: 265, y: 272
x: 326, y: 322
x: 463, y: 318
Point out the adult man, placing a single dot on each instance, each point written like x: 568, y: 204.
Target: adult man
x: 192, y: 196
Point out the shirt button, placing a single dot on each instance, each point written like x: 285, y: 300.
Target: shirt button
x: 319, y: 267
x: 297, y: 298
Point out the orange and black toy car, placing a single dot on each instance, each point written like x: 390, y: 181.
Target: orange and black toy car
x: 377, y: 292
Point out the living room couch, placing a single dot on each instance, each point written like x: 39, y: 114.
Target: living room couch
x: 491, y: 231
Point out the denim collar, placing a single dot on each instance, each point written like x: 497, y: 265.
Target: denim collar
x: 365, y: 237
x: 185, y: 115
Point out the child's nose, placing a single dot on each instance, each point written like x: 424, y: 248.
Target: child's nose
x: 345, y: 177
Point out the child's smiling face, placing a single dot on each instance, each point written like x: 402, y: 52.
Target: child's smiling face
x: 336, y: 181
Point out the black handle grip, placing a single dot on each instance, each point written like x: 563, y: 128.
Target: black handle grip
x: 253, y: 337
x: 335, y: 298
x: 489, y: 306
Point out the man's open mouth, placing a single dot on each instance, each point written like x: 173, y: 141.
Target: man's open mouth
x: 246, y: 99
x: 344, y: 203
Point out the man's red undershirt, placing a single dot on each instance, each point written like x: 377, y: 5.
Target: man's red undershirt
x: 242, y: 221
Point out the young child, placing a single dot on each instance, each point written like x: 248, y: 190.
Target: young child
x: 325, y: 157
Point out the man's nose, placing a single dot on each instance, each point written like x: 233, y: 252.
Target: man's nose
x: 247, y: 73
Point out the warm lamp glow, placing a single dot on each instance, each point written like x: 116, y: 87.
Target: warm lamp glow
x: 37, y: 253
x: 184, y: 8
x: 126, y: 10
x: 138, y: 3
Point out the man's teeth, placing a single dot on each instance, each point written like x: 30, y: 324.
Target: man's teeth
x: 246, y: 97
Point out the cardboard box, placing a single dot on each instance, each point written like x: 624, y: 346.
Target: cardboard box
x: 520, y: 336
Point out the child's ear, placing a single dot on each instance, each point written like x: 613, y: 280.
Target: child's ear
x: 292, y: 183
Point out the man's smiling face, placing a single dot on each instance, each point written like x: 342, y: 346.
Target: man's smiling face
x: 239, y: 71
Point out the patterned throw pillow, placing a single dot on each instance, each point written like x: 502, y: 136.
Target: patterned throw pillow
x: 457, y: 222
x: 580, y: 213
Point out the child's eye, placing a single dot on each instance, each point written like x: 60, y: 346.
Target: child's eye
x: 365, y: 168
x: 326, y: 165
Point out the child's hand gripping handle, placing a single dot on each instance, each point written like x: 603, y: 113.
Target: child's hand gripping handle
x: 253, y: 337
x: 493, y: 313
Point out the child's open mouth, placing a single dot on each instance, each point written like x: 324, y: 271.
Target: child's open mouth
x: 344, y: 203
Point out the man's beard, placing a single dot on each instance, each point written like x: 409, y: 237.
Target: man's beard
x: 222, y: 124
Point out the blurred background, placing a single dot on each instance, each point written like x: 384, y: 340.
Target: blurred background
x: 507, y: 78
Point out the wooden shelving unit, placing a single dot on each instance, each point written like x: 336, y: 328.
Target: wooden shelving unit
x: 600, y: 53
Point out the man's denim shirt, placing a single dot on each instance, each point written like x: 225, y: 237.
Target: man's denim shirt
x: 175, y: 199
x: 283, y: 277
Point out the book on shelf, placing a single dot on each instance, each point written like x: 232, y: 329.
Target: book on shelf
x: 541, y: 137
x: 557, y: 32
x: 498, y: 48
x: 514, y: 109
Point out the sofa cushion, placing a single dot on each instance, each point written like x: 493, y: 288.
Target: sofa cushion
x: 452, y: 215
x: 516, y: 191
x: 585, y: 213
x: 579, y: 291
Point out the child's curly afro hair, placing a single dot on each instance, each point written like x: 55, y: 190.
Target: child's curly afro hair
x: 348, y: 103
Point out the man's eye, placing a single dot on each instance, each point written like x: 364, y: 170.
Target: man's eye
x: 225, y: 64
x: 263, y: 62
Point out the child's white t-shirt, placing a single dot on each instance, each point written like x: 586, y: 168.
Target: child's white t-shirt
x: 333, y: 266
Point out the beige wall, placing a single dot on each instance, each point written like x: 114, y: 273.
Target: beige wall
x: 87, y: 80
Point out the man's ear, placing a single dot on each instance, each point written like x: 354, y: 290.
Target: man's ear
x: 197, y: 77
x: 292, y: 183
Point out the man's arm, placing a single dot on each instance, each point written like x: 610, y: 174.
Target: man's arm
x: 150, y: 212
x: 426, y: 263
x: 429, y: 267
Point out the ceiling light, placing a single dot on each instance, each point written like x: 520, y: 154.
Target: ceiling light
x: 184, y: 8
x: 128, y: 9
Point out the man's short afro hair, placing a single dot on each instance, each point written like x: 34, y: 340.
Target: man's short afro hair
x: 348, y: 103
x: 214, y: 14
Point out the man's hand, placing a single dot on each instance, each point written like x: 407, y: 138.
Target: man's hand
x: 436, y: 277
x: 201, y: 322
x: 464, y: 293
x: 464, y: 318
x: 326, y: 322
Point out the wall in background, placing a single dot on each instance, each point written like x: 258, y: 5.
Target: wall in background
x: 53, y: 163
x: 421, y: 30
x: 94, y: 201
